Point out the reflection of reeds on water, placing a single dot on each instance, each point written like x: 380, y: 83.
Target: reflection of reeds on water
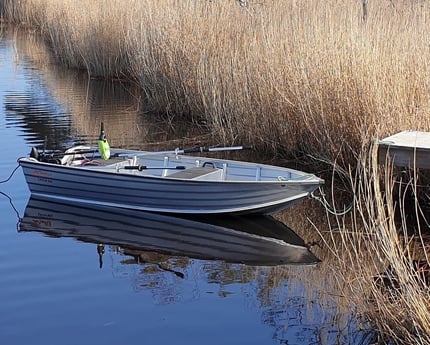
x: 89, y: 101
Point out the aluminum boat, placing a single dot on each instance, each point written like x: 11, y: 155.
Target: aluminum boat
x: 167, y: 182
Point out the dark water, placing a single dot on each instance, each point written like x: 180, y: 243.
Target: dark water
x: 70, y: 275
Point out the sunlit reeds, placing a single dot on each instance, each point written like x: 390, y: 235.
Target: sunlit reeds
x: 290, y: 76
x: 382, y: 255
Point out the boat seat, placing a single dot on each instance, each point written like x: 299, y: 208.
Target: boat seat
x: 194, y: 172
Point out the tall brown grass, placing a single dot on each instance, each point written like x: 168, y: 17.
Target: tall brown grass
x: 296, y: 77
x: 382, y: 256
x: 377, y: 255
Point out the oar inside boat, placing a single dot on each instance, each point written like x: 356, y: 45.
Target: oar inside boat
x: 214, y: 149
x: 144, y: 167
x: 178, y: 151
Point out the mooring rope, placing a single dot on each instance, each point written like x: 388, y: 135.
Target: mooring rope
x: 10, y: 176
x: 328, y: 207
x: 9, y: 198
x: 13, y: 207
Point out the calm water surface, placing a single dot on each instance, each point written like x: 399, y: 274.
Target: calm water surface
x: 78, y: 280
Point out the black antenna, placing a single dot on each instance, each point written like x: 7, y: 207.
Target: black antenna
x: 45, y: 143
x: 102, y: 135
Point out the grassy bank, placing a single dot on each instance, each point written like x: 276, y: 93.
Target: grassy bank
x: 296, y: 78
x: 291, y: 76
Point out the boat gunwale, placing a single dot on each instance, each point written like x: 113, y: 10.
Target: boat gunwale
x: 306, y: 178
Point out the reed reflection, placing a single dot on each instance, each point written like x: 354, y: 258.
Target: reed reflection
x: 66, y: 107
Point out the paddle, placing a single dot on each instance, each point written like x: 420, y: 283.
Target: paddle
x: 192, y: 150
x: 144, y: 167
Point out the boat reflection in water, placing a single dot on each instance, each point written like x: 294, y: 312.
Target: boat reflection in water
x: 251, y: 240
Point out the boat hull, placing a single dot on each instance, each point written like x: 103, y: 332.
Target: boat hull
x: 167, y: 195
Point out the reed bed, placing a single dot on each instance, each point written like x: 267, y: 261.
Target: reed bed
x: 295, y: 78
x: 377, y: 255
x: 380, y: 252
